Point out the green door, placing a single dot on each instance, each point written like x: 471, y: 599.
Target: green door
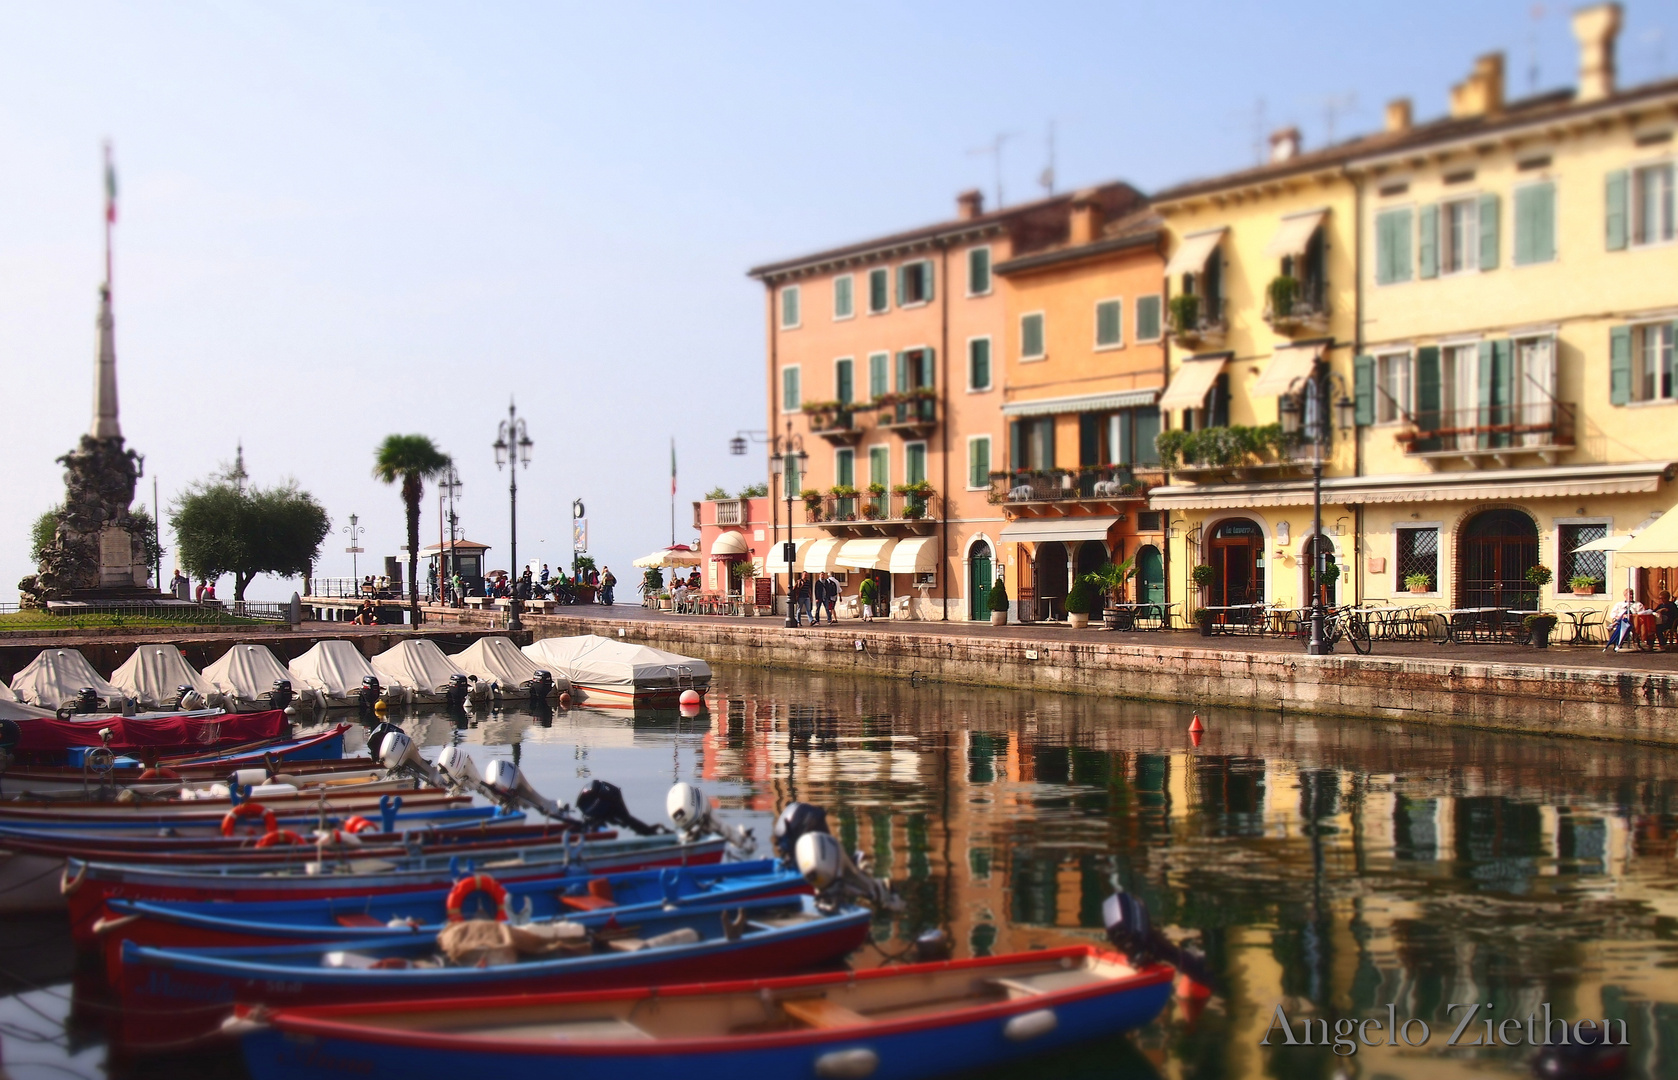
x: 979, y: 580
x: 1150, y: 575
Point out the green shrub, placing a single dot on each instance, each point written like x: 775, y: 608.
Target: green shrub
x: 1078, y: 599
x: 1283, y: 291
x: 1185, y: 314
x: 999, y: 596
x: 1539, y: 575
x: 1203, y: 575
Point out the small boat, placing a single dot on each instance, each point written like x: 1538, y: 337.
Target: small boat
x: 617, y: 674
x: 171, y: 994
x: 153, y: 676
x: 429, y: 677
x: 321, y: 752
x: 497, y: 662
x: 65, y: 742
x: 340, y: 674
x: 57, y: 677
x: 894, y: 1023
x: 251, y: 678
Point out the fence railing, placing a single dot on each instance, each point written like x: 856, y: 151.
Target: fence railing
x: 1491, y: 427
x: 16, y: 619
x: 1092, y: 483
x: 728, y: 511
x: 344, y: 588
x: 863, y: 506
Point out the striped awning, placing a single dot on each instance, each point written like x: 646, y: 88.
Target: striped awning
x: 818, y: 559
x: 730, y: 545
x: 1294, y: 234
x: 1195, y: 377
x: 774, y: 564
x: 915, y: 556
x: 871, y: 554
x: 1191, y: 254
x: 1287, y: 368
x: 1042, y: 530
x: 1128, y: 399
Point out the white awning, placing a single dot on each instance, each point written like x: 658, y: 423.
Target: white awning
x: 1286, y: 367
x: 1188, y: 387
x: 1039, y: 530
x: 1128, y: 399
x: 915, y: 556
x: 776, y: 565
x: 1192, y: 252
x: 1555, y: 482
x: 873, y: 554
x: 730, y: 544
x: 1293, y: 234
x: 1607, y: 543
x: 1655, y: 546
x: 819, y: 558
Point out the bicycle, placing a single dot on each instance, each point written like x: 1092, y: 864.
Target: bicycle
x: 1344, y: 623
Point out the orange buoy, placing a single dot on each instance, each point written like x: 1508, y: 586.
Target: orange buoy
x: 564, y: 701
x: 1195, y: 737
x: 689, y: 697
x: 1195, y: 724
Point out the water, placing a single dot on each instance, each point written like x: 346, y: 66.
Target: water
x: 1330, y: 867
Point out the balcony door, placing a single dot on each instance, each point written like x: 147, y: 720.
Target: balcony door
x: 1495, y: 550
x: 1236, y: 554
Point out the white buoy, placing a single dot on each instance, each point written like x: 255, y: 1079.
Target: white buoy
x: 690, y: 697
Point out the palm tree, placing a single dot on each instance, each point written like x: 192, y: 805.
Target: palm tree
x: 413, y: 459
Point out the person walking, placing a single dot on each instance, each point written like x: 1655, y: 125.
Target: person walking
x: 832, y: 597
x: 607, y: 584
x: 865, y: 597
x: 801, y: 597
x: 818, y: 593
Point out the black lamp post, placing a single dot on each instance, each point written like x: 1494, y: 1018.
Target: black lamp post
x: 1304, y: 410
x: 512, y: 447
x: 783, y: 449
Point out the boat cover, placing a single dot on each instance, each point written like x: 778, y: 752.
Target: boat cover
x: 497, y: 660
x: 152, y: 674
x: 335, y: 668
x: 418, y: 665
x: 591, y: 660
x: 13, y: 709
x: 247, y: 673
x: 57, y: 676
x: 51, y: 735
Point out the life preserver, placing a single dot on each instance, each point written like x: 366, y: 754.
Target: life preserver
x: 280, y: 836
x: 358, y: 824
x: 337, y: 838
x: 476, y: 883
x: 164, y: 773
x: 230, y: 823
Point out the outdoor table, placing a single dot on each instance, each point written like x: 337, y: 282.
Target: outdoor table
x: 1158, y: 613
x: 1581, y: 619
x: 1254, y: 614
x: 1451, y: 624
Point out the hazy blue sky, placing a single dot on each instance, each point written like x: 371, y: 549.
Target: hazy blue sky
x: 344, y: 220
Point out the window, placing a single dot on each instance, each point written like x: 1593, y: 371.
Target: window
x: 1392, y: 387
x: 844, y: 468
x: 791, y: 401
x: 794, y: 479
x: 1393, y: 246
x: 978, y: 363
x: 978, y: 462
x: 1032, y: 443
x: 789, y: 307
x: 1459, y: 236
x: 844, y: 383
x: 1109, y: 328
x: 844, y: 304
x: 1574, y: 563
x: 879, y: 366
x: 1651, y: 368
x: 978, y: 271
x: 879, y: 465
x: 1418, y: 553
x: 1121, y: 437
x: 1535, y: 224
x: 879, y: 290
x: 1148, y: 317
x: 914, y: 463
x: 1031, y: 336
x: 914, y: 283
x: 1651, y: 204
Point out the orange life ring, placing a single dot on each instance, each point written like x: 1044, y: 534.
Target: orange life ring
x: 358, y: 824
x: 477, y: 883
x: 230, y: 823
x: 279, y: 836
x: 164, y: 773
x: 337, y: 838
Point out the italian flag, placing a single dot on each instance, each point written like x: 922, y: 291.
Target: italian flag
x: 110, y: 187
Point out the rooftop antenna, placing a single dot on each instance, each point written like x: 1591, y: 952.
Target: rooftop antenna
x: 995, y: 151
x: 1255, y: 117
x: 1655, y: 38
x: 1537, y: 14
x: 1334, y: 106
x: 1048, y: 177
x: 237, y: 474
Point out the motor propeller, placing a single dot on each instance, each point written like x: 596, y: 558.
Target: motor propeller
x: 803, y: 840
x: 506, y: 784
x: 1131, y: 930
x: 601, y: 804
x: 687, y: 807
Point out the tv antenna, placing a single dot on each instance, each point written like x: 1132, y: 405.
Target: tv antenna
x: 1537, y: 13
x: 995, y: 152
x: 1334, y: 106
x: 1047, y: 179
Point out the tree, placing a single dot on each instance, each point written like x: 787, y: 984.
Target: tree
x: 412, y: 460
x: 223, y: 530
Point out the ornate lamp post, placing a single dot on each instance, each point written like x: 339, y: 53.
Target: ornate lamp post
x: 782, y: 450
x: 355, y: 549
x: 1305, y: 410
x: 512, y: 447
x: 446, y: 487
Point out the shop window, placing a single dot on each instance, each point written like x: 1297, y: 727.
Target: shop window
x: 1418, y: 553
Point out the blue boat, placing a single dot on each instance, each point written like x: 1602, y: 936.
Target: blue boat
x: 894, y: 1023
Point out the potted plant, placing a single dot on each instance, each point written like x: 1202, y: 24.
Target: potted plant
x: 1418, y: 583
x: 1539, y: 625
x: 998, y: 603
x: 1582, y: 584
x: 1111, y: 579
x: 1539, y: 575
x: 1283, y: 290
x: 1185, y: 314
x: 812, y: 504
x: 1328, y: 574
x: 1078, y: 604
x: 1202, y: 576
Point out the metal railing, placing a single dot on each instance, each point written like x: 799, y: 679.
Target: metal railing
x: 884, y: 507
x: 16, y: 619
x: 908, y: 411
x: 728, y: 512
x: 1491, y: 427
x: 344, y: 588
x: 1087, y: 483
x: 832, y: 421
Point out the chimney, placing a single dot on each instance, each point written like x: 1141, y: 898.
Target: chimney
x: 1086, y: 217
x: 970, y: 204
x: 1481, y: 94
x: 1284, y: 144
x: 1596, y: 28
x: 1398, y: 114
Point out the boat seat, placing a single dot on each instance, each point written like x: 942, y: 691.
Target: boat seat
x: 822, y: 1013
x: 1014, y: 988
x: 359, y: 921
x: 586, y: 903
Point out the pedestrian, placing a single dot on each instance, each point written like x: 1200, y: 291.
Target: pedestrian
x: 832, y: 598
x: 180, y: 586
x: 545, y: 576
x: 865, y: 597
x: 607, y: 584
x: 1619, y: 622
x: 198, y: 594
x: 1666, y: 617
x: 814, y: 593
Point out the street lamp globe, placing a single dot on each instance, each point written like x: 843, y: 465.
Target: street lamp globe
x: 1289, y: 409
x: 737, y: 446
x: 1345, y: 413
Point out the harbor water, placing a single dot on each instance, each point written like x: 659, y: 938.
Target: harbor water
x: 1335, y: 870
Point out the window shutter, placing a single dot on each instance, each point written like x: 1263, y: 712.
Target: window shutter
x: 1107, y: 330
x: 1048, y: 423
x: 1383, y: 249
x: 1146, y: 436
x: 844, y: 468
x: 1089, y: 439
x: 1119, y: 436
x: 1147, y: 318
x: 1619, y: 365
x: 902, y: 285
x: 843, y: 382
x: 1427, y: 248
x: 1545, y: 235
x: 927, y: 281
x: 1016, y: 444
x: 1363, y: 389
x: 1535, y: 224
x: 1618, y: 219
x: 878, y: 377
x: 1489, y: 238
x: 1483, y: 383
x: 978, y: 363
x: 1427, y: 387
x: 978, y: 270
x: 902, y: 373
x: 927, y: 368
x: 978, y: 463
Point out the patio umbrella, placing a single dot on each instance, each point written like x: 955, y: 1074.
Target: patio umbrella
x: 679, y: 555
x: 1656, y: 545
x: 1607, y: 543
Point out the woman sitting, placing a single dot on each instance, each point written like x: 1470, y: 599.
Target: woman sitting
x: 1620, y: 622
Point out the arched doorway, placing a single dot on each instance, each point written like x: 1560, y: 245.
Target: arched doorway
x: 1236, y: 554
x: 1495, y: 549
x: 1049, y: 572
x: 1328, y: 591
x: 1150, y: 575
x: 1092, y: 556
x: 979, y: 579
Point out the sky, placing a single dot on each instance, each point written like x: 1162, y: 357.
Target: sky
x: 342, y: 220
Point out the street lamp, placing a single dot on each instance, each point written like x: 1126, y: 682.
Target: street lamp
x: 1304, y: 410
x: 512, y: 447
x: 355, y: 549
x: 447, y: 486
x: 782, y: 449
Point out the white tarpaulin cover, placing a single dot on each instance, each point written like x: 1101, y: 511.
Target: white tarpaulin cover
x: 17, y: 710
x: 247, y: 673
x: 499, y: 661
x: 153, y: 673
x: 418, y: 665
x: 6, y: 693
x: 57, y: 676
x: 597, y: 662
x: 335, y: 668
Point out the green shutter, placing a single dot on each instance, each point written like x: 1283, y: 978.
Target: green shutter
x: 844, y: 468
x: 1427, y: 394
x: 1146, y: 436
x: 1392, y: 246
x: 1107, y: 328
x: 1363, y: 389
x: 1048, y: 423
x: 878, y: 376
x: 1147, y: 318
x: 1089, y: 439
x: 978, y: 270
x: 978, y: 463
x: 902, y: 373
x: 1031, y: 335
x: 1503, y: 388
x: 878, y: 285
x: 1016, y: 444
x: 790, y: 400
x: 843, y: 382
x: 1618, y: 219
x: 1489, y: 238
x: 978, y: 364
x: 1535, y: 224
x: 927, y: 376
x: 928, y: 281
x: 902, y: 285
x: 1619, y: 365
x: 879, y: 465
x: 1427, y: 246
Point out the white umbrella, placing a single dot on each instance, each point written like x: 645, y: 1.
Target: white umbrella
x: 1607, y: 543
x: 680, y: 555
x: 1656, y: 545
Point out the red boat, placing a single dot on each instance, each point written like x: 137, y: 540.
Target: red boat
x: 45, y: 741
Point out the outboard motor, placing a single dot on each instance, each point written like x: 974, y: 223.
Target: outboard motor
x: 10, y: 733
x: 460, y: 770
x: 1132, y: 932
x: 376, y: 736
x: 280, y: 697
x: 601, y: 803
x: 836, y: 879
x: 541, y: 686
x: 687, y: 807
x: 797, y: 819
x: 398, y: 753
x: 507, y: 785
x: 188, y: 699
x: 369, y: 693
x: 459, y: 687
x: 87, y: 700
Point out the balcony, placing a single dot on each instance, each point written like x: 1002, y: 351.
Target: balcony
x: 912, y: 414
x: 1499, y: 434
x: 729, y: 512
x: 834, y: 422
x: 1293, y: 308
x: 1233, y: 453
x: 903, y: 512
x: 1195, y: 325
x: 1062, y: 492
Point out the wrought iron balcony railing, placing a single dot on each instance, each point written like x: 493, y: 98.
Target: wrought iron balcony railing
x: 1534, y: 427
x: 1090, y: 483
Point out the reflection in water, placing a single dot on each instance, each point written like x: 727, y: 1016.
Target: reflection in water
x: 1332, y: 867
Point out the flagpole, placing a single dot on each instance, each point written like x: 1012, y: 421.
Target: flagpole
x: 672, y: 491
x: 110, y: 209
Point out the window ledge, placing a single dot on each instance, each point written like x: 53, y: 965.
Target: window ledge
x: 1034, y: 359
x: 980, y: 295
x: 1109, y: 348
x: 844, y: 318
x: 1649, y: 402
x: 913, y: 304
x: 981, y: 389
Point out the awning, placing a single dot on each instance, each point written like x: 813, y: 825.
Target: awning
x: 1040, y: 530
x: 730, y: 545
x: 915, y: 556
x: 1293, y: 234
x: 1128, y: 399
x: 1556, y: 482
x: 1192, y: 252
x: 819, y: 558
x: 679, y: 555
x: 874, y: 554
x: 1286, y: 367
x: 1655, y: 546
x: 1607, y: 543
x: 1188, y: 387
x: 775, y: 565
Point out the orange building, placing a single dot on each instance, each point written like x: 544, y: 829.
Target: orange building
x: 884, y: 367
x: 1083, y: 368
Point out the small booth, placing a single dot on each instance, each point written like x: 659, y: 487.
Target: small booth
x: 463, y: 557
